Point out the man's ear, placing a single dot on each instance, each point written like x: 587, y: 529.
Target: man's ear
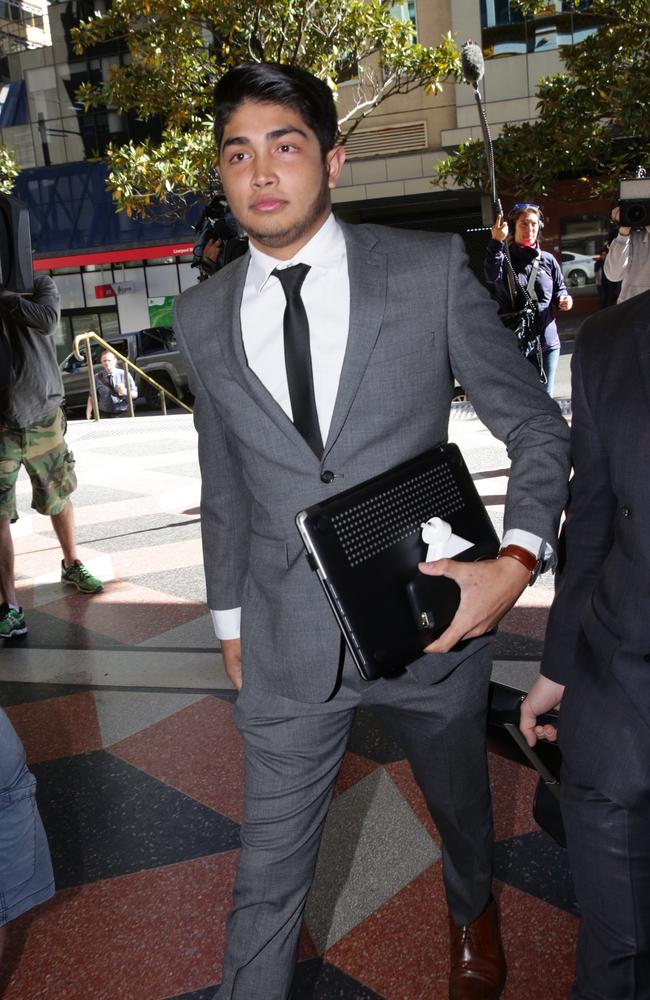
x: 334, y: 161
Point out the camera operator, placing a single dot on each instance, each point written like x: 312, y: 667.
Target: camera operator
x: 219, y: 239
x: 32, y: 428
x: 628, y: 259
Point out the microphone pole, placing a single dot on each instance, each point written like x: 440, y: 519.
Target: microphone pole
x: 473, y: 67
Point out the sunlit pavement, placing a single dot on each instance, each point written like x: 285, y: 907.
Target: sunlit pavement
x: 124, y: 708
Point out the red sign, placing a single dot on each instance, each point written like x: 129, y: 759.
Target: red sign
x: 104, y: 292
x: 113, y: 256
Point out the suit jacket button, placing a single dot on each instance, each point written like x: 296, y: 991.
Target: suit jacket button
x: 626, y: 512
x: 327, y: 476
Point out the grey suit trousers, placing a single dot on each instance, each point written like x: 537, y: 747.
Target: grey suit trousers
x: 293, y: 752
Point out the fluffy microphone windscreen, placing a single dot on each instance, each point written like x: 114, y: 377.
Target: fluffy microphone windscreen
x: 471, y: 57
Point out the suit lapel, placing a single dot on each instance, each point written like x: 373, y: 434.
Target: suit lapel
x: 368, y: 271
x: 235, y: 356
x: 643, y: 341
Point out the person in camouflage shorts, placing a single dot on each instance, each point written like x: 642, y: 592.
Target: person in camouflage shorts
x: 32, y: 429
x: 43, y: 451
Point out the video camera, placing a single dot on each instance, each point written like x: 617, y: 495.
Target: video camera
x: 216, y: 223
x: 15, y: 246
x: 634, y: 202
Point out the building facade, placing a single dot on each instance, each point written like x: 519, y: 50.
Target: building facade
x: 117, y: 275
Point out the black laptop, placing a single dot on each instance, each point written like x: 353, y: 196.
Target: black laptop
x: 365, y: 545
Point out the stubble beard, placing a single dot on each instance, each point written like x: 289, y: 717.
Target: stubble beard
x: 278, y: 238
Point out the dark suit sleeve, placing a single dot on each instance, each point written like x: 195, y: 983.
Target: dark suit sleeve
x: 588, y: 529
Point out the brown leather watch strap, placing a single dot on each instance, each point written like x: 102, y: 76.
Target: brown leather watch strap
x: 524, y: 556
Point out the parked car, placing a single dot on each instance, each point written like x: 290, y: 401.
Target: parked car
x: 153, y: 350
x: 577, y: 268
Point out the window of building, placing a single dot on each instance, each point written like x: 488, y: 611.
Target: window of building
x: 506, y: 32
x: 404, y: 11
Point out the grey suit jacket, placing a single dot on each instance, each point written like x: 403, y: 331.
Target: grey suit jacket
x: 598, y: 637
x: 417, y: 317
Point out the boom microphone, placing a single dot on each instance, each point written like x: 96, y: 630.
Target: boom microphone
x: 471, y: 57
x: 473, y: 67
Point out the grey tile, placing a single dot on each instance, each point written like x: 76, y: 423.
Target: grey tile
x: 105, y: 818
x: 192, y: 470
x: 535, y: 864
x: 88, y: 495
x: 187, y: 582
x: 123, y: 713
x: 515, y: 673
x: 197, y: 634
x: 148, y: 533
x: 373, y: 845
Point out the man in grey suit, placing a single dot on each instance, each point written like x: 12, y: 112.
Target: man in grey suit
x: 598, y: 648
x: 388, y: 318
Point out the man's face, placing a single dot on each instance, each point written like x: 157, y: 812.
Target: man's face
x: 526, y: 228
x: 274, y: 177
x: 108, y: 362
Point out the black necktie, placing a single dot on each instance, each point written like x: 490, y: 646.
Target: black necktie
x: 297, y: 356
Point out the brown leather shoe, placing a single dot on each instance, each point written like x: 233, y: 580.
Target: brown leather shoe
x: 478, y: 965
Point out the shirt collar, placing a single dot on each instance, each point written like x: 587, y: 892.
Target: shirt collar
x: 324, y: 249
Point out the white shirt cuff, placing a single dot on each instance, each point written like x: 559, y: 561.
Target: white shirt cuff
x: 227, y: 624
x: 533, y: 543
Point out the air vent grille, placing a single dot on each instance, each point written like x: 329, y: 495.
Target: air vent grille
x: 387, y: 139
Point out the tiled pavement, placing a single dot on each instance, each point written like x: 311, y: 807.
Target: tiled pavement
x: 124, y: 708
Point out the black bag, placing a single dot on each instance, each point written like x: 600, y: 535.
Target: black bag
x: 524, y: 320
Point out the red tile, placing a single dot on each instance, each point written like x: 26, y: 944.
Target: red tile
x: 528, y: 622
x: 353, y: 769
x: 114, y: 510
x: 157, y: 558
x: 306, y: 946
x: 44, y: 556
x: 402, y: 950
x: 125, y: 612
x: 145, y: 936
x: 57, y: 727
x: 513, y: 789
x: 539, y: 941
x: 197, y: 751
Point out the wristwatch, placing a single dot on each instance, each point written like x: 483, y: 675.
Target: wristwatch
x: 532, y: 563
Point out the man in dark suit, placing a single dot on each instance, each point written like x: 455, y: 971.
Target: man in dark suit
x: 596, y: 659
x: 320, y: 359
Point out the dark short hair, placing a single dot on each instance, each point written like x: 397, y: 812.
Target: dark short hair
x: 277, y: 83
x: 521, y: 208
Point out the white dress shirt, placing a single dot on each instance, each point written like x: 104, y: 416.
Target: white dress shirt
x: 326, y: 297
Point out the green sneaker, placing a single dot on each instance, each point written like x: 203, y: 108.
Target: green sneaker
x: 12, y: 622
x: 81, y: 578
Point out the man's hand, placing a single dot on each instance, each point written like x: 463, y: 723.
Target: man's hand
x: 565, y: 302
x: 231, y: 653
x: 543, y: 696
x: 499, y: 229
x: 212, y: 249
x: 487, y: 590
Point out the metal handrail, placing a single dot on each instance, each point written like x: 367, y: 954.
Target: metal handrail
x: 91, y: 335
